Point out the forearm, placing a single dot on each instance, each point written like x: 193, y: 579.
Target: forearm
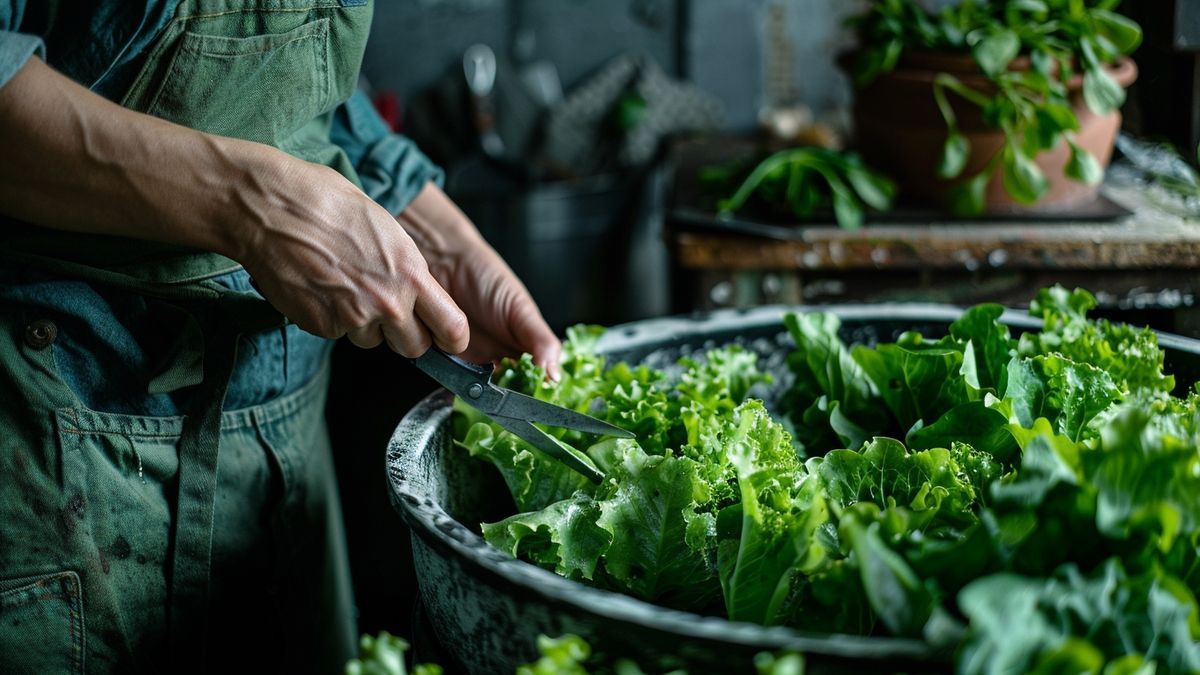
x: 438, y: 227
x: 76, y: 161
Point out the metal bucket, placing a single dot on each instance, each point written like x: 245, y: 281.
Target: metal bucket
x: 487, y: 608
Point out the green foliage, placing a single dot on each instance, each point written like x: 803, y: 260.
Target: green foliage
x: 1072, y: 622
x: 807, y: 182
x: 384, y: 655
x: 565, y: 655
x: 1030, y: 103
x: 560, y: 656
x: 1129, y: 355
x: 1040, y: 512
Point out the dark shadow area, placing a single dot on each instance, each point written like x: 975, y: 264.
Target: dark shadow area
x: 369, y: 393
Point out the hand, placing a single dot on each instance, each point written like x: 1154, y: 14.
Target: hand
x: 504, y: 320
x: 321, y: 251
x: 336, y: 263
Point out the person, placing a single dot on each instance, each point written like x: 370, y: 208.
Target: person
x: 194, y: 200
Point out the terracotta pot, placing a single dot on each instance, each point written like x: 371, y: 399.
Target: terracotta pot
x: 901, y: 132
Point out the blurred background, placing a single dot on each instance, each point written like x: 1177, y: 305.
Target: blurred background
x: 576, y: 133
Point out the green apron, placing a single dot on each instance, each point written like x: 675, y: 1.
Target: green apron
x: 211, y: 540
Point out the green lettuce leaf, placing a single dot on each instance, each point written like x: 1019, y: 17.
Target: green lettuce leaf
x: 1022, y: 624
x: 929, y: 483
x: 919, y: 381
x: 534, y: 479
x: 772, y: 533
x: 564, y: 536
x: 649, y: 510
x: 833, y: 402
x: 1069, y: 394
x: 1131, y: 356
x: 1146, y: 476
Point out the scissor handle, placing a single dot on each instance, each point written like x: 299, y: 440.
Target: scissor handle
x: 463, y: 377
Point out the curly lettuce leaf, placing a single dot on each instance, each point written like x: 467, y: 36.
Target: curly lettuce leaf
x: 1147, y: 475
x: 928, y: 483
x: 565, y: 655
x: 771, y: 534
x: 649, y: 512
x: 1131, y: 356
x: 1069, y: 394
x: 564, y: 537
x: 534, y: 479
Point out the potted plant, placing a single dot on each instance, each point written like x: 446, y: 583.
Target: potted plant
x: 993, y: 105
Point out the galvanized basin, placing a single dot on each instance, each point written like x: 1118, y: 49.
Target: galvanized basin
x: 487, y: 609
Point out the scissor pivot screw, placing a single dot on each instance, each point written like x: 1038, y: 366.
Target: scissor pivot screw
x: 475, y: 390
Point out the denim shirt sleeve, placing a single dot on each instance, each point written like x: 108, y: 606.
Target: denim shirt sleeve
x: 390, y: 166
x: 15, y: 47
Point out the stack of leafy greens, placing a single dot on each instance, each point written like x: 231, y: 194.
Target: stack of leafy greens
x: 1033, y: 502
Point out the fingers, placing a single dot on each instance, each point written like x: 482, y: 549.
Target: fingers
x: 367, y: 337
x: 434, y: 319
x: 447, y: 324
x: 407, y: 338
x: 535, y: 337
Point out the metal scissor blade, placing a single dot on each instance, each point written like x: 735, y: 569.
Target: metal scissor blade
x: 549, y: 445
x: 522, y: 407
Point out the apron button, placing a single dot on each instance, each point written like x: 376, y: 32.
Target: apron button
x: 40, y: 334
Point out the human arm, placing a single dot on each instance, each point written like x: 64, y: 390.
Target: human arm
x: 321, y: 250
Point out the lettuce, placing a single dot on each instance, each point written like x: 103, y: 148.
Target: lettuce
x: 1033, y: 502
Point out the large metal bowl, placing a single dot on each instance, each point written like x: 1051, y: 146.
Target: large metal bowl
x: 487, y: 609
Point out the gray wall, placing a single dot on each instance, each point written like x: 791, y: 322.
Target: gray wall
x: 716, y: 43
x: 726, y: 54
x: 413, y: 42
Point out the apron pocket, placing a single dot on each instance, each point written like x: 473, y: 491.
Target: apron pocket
x: 261, y: 88
x: 41, y: 624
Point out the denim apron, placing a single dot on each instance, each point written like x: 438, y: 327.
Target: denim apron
x: 167, y: 501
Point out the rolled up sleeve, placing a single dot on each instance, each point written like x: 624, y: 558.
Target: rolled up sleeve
x: 15, y: 50
x: 391, y: 168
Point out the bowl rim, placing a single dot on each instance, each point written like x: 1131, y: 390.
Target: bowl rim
x: 434, y: 525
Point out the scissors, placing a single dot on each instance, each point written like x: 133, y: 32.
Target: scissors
x: 515, y: 411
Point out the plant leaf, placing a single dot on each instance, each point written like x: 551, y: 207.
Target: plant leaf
x: 1083, y: 167
x: 873, y: 189
x: 954, y: 155
x: 1101, y: 92
x: 969, y: 198
x: 1023, y: 180
x: 994, y: 52
x: 1124, y: 33
x: 846, y: 207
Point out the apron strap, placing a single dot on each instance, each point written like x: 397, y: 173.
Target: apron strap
x: 191, y: 540
x: 228, y: 319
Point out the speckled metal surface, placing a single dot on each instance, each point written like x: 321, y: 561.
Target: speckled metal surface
x: 487, y: 608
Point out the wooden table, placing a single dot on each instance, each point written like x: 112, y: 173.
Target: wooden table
x: 1148, y: 262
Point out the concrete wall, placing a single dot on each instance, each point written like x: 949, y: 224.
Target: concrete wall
x: 717, y: 43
